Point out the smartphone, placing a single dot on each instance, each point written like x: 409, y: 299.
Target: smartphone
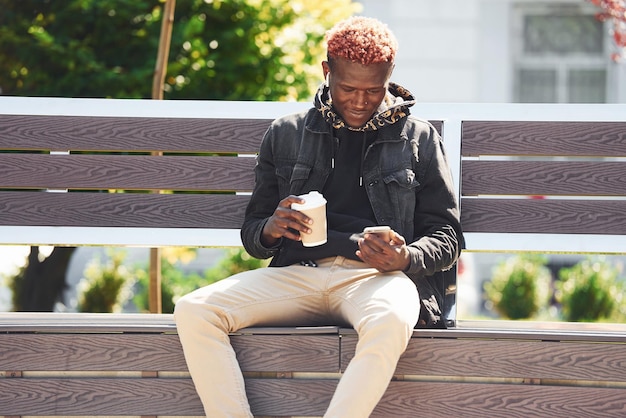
x: 382, y: 231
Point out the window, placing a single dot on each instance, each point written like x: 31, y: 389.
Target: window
x: 560, y: 56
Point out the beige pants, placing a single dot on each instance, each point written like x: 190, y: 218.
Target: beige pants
x: 382, y: 307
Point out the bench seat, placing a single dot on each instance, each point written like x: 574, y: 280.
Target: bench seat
x: 63, y: 364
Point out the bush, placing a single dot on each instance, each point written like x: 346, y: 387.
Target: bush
x: 589, y: 291
x: 520, y: 286
x: 175, y: 283
x: 105, y: 288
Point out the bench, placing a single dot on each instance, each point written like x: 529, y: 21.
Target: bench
x: 54, y: 364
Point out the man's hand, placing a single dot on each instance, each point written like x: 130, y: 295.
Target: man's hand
x: 284, y: 221
x: 384, y: 256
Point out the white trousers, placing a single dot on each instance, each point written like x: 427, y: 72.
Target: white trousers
x: 383, y: 308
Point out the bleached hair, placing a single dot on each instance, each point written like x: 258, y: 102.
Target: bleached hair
x: 361, y: 39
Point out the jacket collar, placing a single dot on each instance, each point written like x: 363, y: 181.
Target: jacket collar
x: 394, y: 107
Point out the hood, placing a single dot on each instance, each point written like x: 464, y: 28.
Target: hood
x: 394, y: 107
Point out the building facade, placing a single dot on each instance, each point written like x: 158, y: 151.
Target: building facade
x: 503, y: 51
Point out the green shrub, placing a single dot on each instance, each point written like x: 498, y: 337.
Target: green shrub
x: 520, y: 286
x: 175, y: 283
x: 105, y: 287
x: 589, y: 291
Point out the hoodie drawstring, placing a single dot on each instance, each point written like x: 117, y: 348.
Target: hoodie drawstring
x: 363, y: 147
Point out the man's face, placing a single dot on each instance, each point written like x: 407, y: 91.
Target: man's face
x: 357, y: 89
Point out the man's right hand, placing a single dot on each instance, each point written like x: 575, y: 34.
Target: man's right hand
x: 285, y: 222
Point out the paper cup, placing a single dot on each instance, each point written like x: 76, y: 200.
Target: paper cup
x: 314, y: 207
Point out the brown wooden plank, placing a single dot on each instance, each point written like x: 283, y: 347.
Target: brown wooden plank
x: 150, y: 396
x: 122, y: 210
x: 288, y: 397
x: 438, y: 125
x: 129, y: 172
x: 507, y: 359
x: 544, y: 216
x: 469, y: 400
x: 162, y: 352
x: 586, y: 138
x: 91, y: 396
x: 90, y: 133
x: 287, y: 353
x: 590, y: 178
x: 91, y: 352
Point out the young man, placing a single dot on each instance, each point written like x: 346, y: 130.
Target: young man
x: 375, y: 165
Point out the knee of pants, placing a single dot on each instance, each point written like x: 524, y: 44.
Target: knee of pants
x: 390, y: 324
x: 189, y: 310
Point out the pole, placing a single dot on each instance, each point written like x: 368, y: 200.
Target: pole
x: 155, y: 304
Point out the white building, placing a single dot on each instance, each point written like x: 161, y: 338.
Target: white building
x: 502, y: 51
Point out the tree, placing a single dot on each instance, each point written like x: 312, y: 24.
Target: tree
x: 40, y: 283
x: 220, y: 49
x: 614, y: 10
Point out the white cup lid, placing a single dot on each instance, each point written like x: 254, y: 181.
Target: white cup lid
x: 311, y: 200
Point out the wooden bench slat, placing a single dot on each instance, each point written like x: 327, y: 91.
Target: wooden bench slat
x: 288, y: 397
x: 438, y: 125
x: 547, y: 216
x: 449, y: 399
x: 123, y: 210
x: 566, y: 138
x: 92, y: 396
x: 133, y: 134
x: 130, y: 172
x: 507, y: 359
x: 92, y: 352
x: 162, y: 352
x: 560, y: 178
x: 155, y: 396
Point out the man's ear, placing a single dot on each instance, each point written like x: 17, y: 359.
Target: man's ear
x: 325, y: 71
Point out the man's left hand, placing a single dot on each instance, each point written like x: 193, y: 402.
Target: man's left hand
x: 382, y: 255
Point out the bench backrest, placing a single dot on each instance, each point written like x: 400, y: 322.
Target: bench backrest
x: 543, y: 178
x: 92, y: 172
x: 174, y: 169
x: 530, y: 177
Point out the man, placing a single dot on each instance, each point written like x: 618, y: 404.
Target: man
x: 375, y: 165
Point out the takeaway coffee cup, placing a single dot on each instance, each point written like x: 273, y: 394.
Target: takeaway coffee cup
x: 314, y: 207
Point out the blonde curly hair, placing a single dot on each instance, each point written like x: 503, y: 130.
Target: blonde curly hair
x: 361, y: 39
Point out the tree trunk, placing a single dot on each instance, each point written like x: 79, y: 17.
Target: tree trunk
x: 43, y: 282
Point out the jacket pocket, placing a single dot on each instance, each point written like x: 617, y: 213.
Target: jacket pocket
x: 291, y: 178
x: 401, y: 186
x: 404, y: 179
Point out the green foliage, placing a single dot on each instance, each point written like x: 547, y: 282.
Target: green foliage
x: 220, y: 49
x: 16, y: 284
x: 520, y: 286
x: 175, y: 283
x: 589, y: 291
x: 78, y: 48
x: 235, y: 261
x: 105, y: 288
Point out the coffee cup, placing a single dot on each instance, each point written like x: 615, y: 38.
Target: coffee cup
x: 314, y: 207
